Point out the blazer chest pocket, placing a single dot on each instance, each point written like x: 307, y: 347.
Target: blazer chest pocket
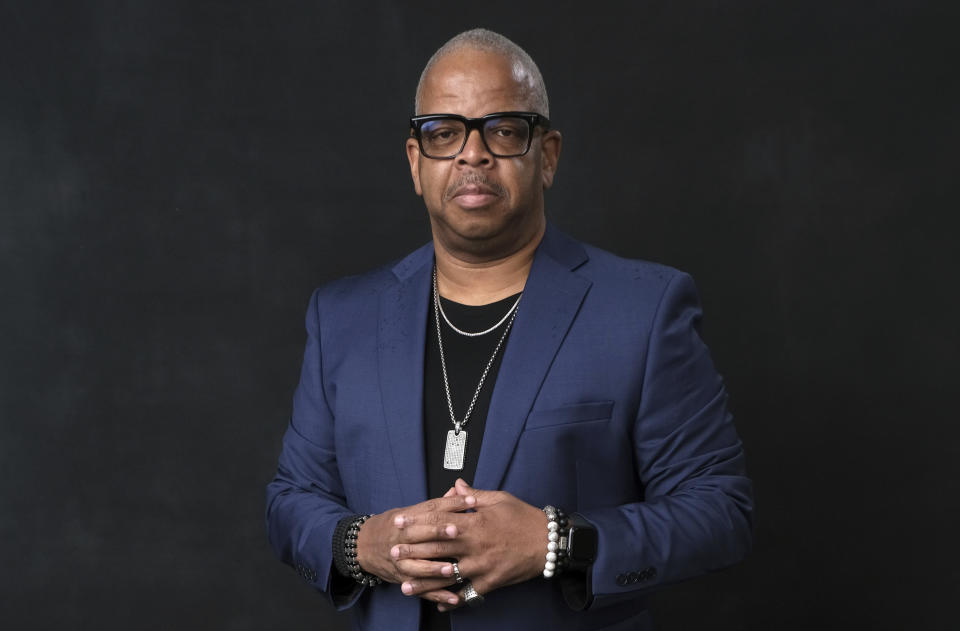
x: 569, y: 414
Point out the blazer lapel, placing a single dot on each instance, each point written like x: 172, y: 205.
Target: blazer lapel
x: 551, y: 299
x: 401, y: 341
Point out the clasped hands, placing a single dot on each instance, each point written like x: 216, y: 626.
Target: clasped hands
x: 501, y: 541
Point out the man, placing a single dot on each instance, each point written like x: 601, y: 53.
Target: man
x: 499, y: 369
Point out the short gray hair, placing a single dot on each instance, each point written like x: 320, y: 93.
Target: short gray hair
x: 489, y: 42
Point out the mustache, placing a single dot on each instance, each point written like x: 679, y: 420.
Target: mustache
x: 476, y: 178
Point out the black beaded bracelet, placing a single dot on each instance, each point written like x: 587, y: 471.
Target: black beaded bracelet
x: 558, y: 527
x: 350, y: 554
x: 339, y: 551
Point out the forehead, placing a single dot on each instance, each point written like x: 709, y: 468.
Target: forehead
x: 474, y: 83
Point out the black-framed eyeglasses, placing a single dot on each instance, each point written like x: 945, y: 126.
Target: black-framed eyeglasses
x: 505, y: 134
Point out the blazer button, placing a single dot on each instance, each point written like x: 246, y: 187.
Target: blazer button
x: 622, y: 580
x: 634, y: 577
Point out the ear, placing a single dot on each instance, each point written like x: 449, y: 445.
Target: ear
x: 550, y: 146
x: 413, y: 157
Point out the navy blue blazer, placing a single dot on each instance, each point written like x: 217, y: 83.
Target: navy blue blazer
x: 607, y: 403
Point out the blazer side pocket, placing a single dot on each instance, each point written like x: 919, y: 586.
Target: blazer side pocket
x: 575, y: 413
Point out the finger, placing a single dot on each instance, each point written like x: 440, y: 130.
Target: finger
x: 443, y: 606
x: 445, y: 599
x: 481, y: 497
x: 429, y: 550
x: 437, y: 520
x: 414, y: 532
x: 451, y: 492
x: 479, y: 586
x: 439, y: 508
x: 418, y: 586
x: 421, y: 568
x: 463, y: 489
x: 452, y: 504
x: 435, y: 517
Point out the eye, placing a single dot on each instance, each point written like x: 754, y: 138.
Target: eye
x: 441, y: 131
x: 507, y: 128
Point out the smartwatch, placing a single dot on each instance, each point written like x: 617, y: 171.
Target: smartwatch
x: 581, y: 543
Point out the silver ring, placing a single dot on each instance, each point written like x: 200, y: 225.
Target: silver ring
x: 471, y: 597
x: 456, y: 572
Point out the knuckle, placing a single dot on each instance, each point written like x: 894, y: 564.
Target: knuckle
x: 483, y: 565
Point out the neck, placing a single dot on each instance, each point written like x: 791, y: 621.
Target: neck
x: 473, y: 282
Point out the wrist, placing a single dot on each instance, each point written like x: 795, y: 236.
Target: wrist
x: 352, y: 553
x: 555, y: 558
x: 363, y: 545
x: 537, y: 547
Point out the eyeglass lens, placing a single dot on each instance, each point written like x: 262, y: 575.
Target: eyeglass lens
x: 505, y: 136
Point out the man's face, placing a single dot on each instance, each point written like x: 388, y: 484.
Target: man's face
x: 480, y: 205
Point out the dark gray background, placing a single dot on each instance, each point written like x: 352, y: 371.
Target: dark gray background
x: 177, y: 176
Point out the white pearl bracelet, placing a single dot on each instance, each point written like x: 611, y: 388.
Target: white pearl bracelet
x: 556, y: 536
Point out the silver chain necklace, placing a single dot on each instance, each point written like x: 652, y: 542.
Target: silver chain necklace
x: 456, y: 446
x: 479, y: 333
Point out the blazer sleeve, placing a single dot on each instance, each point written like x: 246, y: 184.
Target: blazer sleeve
x: 696, y: 514
x: 305, y: 499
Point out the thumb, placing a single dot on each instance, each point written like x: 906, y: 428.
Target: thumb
x: 465, y: 489
x: 484, y: 498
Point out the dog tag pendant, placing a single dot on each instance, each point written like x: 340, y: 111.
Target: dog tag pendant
x: 454, y: 451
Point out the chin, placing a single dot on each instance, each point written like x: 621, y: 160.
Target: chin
x: 475, y: 237
x: 479, y: 225
x: 484, y: 238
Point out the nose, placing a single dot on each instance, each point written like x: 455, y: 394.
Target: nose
x: 475, y: 152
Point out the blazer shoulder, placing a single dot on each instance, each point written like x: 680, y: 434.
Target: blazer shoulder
x: 605, y: 267
x: 350, y: 295
x: 350, y: 289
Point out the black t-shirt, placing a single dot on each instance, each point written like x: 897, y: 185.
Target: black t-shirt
x: 466, y: 357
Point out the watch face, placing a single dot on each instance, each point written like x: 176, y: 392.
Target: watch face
x: 582, y: 544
